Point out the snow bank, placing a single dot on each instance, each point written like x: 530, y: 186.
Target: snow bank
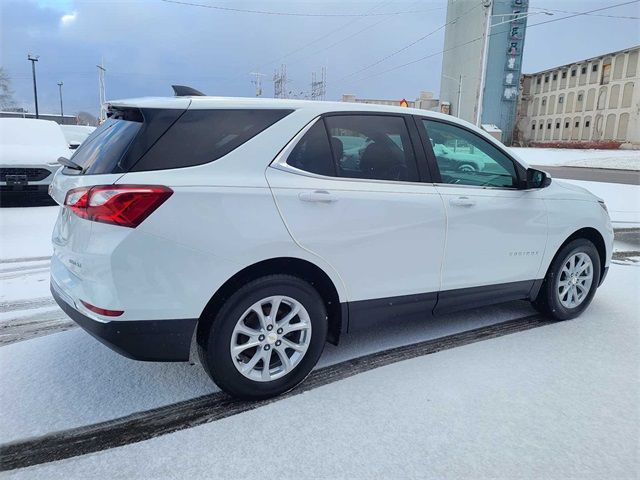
x: 617, y: 159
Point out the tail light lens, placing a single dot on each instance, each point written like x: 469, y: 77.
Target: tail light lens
x: 123, y: 205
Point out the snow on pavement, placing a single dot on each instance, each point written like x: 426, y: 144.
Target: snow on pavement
x: 616, y: 159
x: 554, y: 402
x: 69, y: 379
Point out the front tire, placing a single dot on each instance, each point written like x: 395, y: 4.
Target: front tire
x: 571, y: 281
x: 266, y: 338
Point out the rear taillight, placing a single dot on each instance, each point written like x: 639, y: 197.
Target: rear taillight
x: 124, y: 205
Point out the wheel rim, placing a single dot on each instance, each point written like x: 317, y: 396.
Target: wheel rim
x: 271, y: 338
x: 575, y: 280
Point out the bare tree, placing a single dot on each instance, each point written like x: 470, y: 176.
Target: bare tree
x: 6, y: 93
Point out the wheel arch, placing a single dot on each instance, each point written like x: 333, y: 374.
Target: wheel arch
x: 337, y: 312
x: 595, y: 237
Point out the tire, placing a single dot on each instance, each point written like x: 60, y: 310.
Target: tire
x: 309, y: 327
x: 556, y: 303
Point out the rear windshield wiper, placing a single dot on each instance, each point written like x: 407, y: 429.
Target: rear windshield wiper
x: 69, y: 164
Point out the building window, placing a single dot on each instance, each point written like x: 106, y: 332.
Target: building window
x: 580, y: 97
x: 533, y: 126
x: 564, y: 74
x: 549, y: 126
x: 577, y: 124
x: 557, y: 124
x: 587, y: 123
x: 583, y: 70
x: 544, y: 101
x: 555, y: 76
x: 573, y: 72
x: 594, y: 67
x: 566, y: 124
x: 560, y: 99
x: 546, y: 79
x: 538, y: 81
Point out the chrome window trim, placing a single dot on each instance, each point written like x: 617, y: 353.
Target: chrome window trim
x: 280, y: 162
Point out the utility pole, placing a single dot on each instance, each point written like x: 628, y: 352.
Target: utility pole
x: 280, y: 82
x: 101, y: 91
x: 319, y: 87
x: 61, y: 109
x: 257, y: 81
x: 33, y: 59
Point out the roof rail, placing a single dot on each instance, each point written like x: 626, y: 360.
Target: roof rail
x: 183, y: 91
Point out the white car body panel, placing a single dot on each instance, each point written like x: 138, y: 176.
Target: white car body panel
x: 493, y: 236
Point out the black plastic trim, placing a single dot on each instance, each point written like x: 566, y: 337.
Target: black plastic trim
x: 147, y: 340
x: 364, y: 313
x: 465, y: 298
x: 603, y: 275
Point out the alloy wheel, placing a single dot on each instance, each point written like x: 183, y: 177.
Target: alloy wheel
x: 270, y: 338
x: 575, y: 280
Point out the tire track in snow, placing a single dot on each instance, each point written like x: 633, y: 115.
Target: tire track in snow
x: 28, y: 304
x: 41, y: 323
x: 210, y: 408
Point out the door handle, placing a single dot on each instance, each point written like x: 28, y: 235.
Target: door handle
x: 462, y: 202
x: 318, y: 196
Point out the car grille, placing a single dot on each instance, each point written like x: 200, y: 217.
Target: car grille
x: 33, y: 174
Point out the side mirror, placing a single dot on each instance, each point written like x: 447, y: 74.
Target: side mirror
x: 537, y: 179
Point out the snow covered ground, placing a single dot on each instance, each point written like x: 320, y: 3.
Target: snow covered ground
x: 616, y: 159
x: 558, y: 402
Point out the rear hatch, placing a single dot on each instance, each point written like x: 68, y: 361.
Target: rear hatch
x: 104, y: 157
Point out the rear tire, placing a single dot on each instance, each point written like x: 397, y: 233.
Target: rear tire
x: 244, y: 337
x: 571, y: 281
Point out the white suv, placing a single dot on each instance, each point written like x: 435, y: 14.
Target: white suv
x: 242, y: 229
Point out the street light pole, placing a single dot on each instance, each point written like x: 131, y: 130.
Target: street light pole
x: 61, y: 110
x: 485, y: 50
x: 33, y: 59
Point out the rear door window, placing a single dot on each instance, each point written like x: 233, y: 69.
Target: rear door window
x: 313, y: 152
x: 376, y: 147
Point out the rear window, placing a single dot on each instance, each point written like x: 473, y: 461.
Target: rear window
x: 104, y: 148
x: 202, y: 136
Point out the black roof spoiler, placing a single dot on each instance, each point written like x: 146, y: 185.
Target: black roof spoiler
x: 183, y: 91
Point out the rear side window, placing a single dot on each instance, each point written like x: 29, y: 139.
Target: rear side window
x: 313, y: 153
x: 374, y: 147
x: 103, y: 149
x: 202, y: 136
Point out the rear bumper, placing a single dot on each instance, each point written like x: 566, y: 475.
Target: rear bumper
x: 147, y: 340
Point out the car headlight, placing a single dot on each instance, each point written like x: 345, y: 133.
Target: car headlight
x: 604, y: 206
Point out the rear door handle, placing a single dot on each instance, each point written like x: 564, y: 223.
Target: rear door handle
x: 462, y: 202
x: 318, y: 196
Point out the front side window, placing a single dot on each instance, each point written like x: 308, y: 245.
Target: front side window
x: 464, y: 158
x: 375, y: 147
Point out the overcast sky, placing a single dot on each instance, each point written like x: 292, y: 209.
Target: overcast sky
x: 147, y: 45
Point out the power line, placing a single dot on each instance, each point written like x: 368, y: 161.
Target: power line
x: 410, y: 44
x: 289, y: 14
x: 592, y: 14
x: 495, y: 33
x: 577, y: 14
